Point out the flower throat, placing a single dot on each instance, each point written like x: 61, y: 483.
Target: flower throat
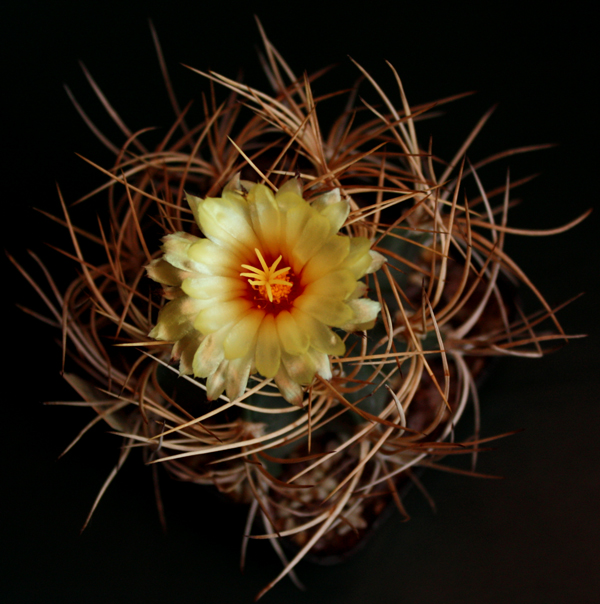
x: 273, y: 284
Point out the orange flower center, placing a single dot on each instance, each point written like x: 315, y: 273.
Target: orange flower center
x: 273, y: 284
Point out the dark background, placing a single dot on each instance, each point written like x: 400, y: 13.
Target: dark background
x: 532, y: 537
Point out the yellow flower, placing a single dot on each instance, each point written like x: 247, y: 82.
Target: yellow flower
x: 262, y: 290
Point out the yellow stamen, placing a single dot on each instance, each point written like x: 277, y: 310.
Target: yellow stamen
x: 274, y: 283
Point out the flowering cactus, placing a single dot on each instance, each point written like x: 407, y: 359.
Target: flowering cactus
x: 347, y: 273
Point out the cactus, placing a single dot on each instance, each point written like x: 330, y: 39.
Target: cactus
x: 329, y: 414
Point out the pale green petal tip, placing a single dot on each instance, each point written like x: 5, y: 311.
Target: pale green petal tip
x: 177, y: 244
x: 327, y: 199
x: 333, y: 207
x: 377, y: 261
x: 184, y: 351
x: 322, y: 364
x: 216, y: 382
x: 208, y: 356
x: 261, y: 194
x: 155, y: 333
x: 237, y: 377
x: 174, y: 320
x: 234, y: 185
x: 365, y: 314
x: 194, y: 203
x: 165, y: 273
x: 293, y: 185
x: 291, y: 391
x: 360, y: 291
x: 337, y: 214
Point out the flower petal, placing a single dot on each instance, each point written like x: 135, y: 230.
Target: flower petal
x: 214, y: 287
x: 338, y: 284
x: 175, y: 319
x: 310, y: 241
x: 326, y: 199
x: 365, y: 313
x: 185, y: 349
x: 300, y: 368
x: 215, y: 383
x: 238, y: 373
x: 296, y: 217
x: 242, y: 335
x: 290, y: 389
x: 175, y: 247
x: 377, y: 261
x: 358, y: 259
x: 164, y: 272
x: 293, y: 340
x: 264, y: 213
x: 331, y: 255
x: 209, y: 258
x: 268, y: 350
x: 321, y: 362
x: 215, y: 317
x: 360, y: 290
x: 321, y: 337
x: 333, y: 207
x: 292, y: 186
x: 327, y: 310
x: 226, y: 221
x: 209, y: 354
x: 293, y: 214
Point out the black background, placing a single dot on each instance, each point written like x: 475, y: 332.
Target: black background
x: 532, y: 537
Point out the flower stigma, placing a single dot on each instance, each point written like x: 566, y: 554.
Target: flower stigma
x: 276, y: 284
